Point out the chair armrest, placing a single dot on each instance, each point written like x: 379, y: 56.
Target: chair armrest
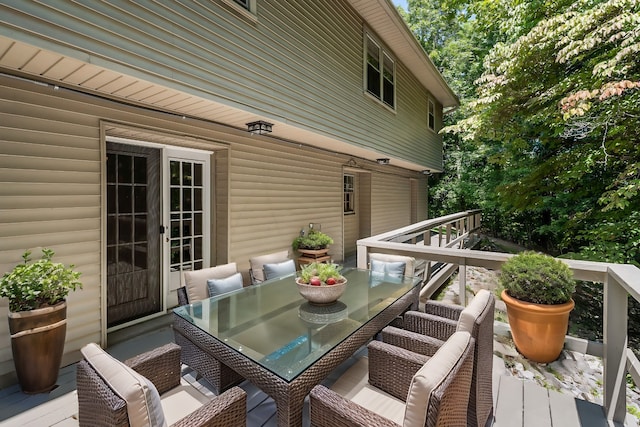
x: 161, y: 366
x: 442, y: 309
x: 392, y: 368
x: 328, y: 408
x: 412, y: 341
x: 226, y: 410
x: 428, y: 324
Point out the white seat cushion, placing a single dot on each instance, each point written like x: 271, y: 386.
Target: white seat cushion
x: 143, y: 401
x: 354, y: 385
x: 181, y: 401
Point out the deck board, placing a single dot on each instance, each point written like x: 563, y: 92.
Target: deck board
x: 536, y: 405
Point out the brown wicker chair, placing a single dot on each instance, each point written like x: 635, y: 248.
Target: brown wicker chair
x: 425, y: 331
x: 219, y: 375
x: 434, y: 396
x: 100, y: 405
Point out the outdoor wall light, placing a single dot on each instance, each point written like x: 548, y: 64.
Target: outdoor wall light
x: 260, y: 127
x: 383, y: 161
x: 426, y: 172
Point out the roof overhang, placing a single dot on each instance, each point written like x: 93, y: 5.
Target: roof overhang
x: 383, y: 18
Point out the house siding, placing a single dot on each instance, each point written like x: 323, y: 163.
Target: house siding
x: 265, y: 191
x: 298, y: 62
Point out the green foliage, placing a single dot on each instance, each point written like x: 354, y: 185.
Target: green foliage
x: 545, y: 141
x: 537, y: 278
x: 312, y: 240
x: 37, y: 284
x: 322, y: 271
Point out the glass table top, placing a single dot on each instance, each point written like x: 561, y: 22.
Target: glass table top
x: 273, y: 325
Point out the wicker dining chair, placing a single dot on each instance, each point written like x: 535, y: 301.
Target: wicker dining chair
x: 257, y: 265
x: 148, y: 390
x: 195, y: 282
x: 423, y: 331
x: 434, y: 395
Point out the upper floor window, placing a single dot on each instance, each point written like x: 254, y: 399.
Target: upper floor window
x: 380, y: 73
x: 431, y: 115
x: 243, y: 5
x: 349, y: 194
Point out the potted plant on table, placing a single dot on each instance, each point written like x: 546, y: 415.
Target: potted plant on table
x: 321, y: 283
x: 537, y: 291
x: 37, y: 318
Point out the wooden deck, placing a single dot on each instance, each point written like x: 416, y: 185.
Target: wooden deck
x: 517, y: 403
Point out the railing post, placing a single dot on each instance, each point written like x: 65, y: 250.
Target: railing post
x: 462, y: 282
x: 615, y: 346
x: 361, y: 259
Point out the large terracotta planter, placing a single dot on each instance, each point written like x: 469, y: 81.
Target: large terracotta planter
x: 538, y: 330
x: 37, y: 342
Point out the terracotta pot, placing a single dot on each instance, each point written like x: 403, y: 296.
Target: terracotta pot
x: 37, y: 342
x: 538, y: 330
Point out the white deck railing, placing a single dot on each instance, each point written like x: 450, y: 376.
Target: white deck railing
x: 619, y: 281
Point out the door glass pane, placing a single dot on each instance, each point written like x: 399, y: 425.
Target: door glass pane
x: 174, y: 170
x: 125, y: 171
x: 140, y: 170
x: 187, y: 203
x: 140, y: 198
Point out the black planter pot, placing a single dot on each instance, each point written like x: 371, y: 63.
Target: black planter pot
x: 37, y: 342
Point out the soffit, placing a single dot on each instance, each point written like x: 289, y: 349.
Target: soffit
x: 383, y: 18
x: 58, y: 69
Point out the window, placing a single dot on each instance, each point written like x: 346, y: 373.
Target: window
x: 380, y: 73
x: 246, y: 7
x: 349, y: 194
x: 431, y: 116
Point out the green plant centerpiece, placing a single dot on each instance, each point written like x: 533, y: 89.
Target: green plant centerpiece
x: 312, y: 240
x: 37, y: 317
x: 537, y: 291
x: 321, y: 284
x: 319, y: 274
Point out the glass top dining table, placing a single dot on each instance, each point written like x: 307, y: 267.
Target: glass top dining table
x: 275, y: 327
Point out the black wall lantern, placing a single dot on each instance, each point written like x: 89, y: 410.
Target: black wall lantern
x: 260, y: 127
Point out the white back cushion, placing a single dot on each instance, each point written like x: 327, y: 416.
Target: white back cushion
x: 258, y: 262
x: 471, y: 312
x: 143, y: 401
x: 430, y: 376
x: 196, y: 281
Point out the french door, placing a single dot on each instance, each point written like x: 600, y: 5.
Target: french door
x: 187, y: 241
x: 133, y: 238
x: 158, y: 225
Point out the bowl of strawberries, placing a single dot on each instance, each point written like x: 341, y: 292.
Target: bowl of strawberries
x: 321, y: 284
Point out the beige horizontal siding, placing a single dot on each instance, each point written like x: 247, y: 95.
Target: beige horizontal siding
x: 390, y: 202
x: 274, y: 189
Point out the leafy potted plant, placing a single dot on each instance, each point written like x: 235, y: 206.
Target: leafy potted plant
x: 537, y: 291
x: 313, y: 240
x: 37, y: 318
x: 321, y: 283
